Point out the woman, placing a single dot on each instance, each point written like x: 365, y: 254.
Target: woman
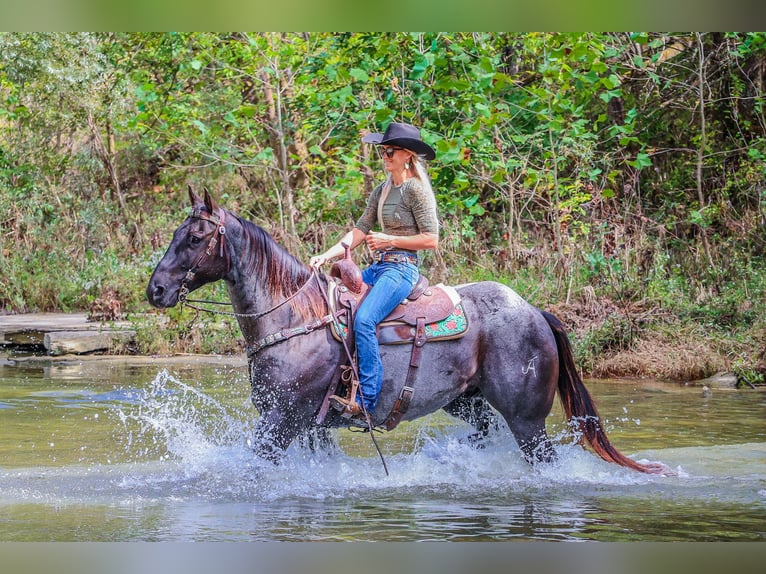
x: 405, y: 209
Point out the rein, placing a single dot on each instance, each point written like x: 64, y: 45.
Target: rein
x: 189, y: 303
x: 355, y: 370
x: 219, y: 234
x: 283, y: 334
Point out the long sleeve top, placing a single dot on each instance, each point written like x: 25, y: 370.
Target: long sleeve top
x: 408, y: 210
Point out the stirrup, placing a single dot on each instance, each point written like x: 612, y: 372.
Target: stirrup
x: 351, y: 382
x: 348, y: 408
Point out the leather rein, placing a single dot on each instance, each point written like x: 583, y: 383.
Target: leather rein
x: 217, y: 238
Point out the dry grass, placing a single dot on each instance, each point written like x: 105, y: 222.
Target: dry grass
x: 639, y: 340
x: 659, y: 356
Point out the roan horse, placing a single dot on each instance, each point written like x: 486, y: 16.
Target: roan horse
x: 513, y: 357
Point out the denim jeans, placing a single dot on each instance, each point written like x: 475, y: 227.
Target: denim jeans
x: 391, y: 283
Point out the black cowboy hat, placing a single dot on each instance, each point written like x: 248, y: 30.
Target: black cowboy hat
x: 402, y: 135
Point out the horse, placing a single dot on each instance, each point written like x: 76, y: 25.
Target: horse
x: 512, y: 359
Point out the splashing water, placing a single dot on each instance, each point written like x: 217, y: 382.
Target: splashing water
x: 182, y: 421
x: 199, y: 445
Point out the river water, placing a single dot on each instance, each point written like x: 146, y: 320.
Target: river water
x: 113, y: 450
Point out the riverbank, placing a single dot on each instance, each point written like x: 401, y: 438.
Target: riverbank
x: 644, y: 341
x: 78, y: 363
x: 26, y: 340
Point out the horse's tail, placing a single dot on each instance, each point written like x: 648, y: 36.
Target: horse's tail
x: 579, y: 406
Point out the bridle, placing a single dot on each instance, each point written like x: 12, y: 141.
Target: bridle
x: 218, y: 235
x: 217, y: 238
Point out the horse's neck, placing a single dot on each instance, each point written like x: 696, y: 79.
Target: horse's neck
x: 250, y: 296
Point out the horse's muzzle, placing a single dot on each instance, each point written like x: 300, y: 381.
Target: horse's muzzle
x: 159, y: 296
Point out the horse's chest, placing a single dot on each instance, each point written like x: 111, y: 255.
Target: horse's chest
x: 271, y: 382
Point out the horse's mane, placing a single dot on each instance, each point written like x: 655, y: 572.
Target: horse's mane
x: 282, y: 272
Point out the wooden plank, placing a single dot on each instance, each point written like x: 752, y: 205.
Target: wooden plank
x: 78, y: 342
x: 45, y: 322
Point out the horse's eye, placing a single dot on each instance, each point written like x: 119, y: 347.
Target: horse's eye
x: 194, y: 240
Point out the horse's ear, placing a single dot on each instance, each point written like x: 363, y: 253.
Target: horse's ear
x: 209, y: 202
x: 193, y: 197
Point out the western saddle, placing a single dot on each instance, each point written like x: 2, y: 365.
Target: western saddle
x: 429, y: 313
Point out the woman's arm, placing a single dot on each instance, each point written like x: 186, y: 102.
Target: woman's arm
x: 383, y: 242
x: 353, y: 238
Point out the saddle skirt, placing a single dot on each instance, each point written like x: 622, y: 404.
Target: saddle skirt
x: 439, y: 308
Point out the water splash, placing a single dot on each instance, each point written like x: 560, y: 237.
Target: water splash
x: 172, y: 420
x: 194, y: 445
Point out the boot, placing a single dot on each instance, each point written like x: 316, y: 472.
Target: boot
x: 348, y: 408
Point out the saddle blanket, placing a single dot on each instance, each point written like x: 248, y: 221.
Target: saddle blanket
x: 452, y: 325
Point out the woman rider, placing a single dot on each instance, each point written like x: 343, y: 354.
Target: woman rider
x: 404, y: 207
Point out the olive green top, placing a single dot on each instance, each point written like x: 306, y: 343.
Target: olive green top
x: 408, y: 210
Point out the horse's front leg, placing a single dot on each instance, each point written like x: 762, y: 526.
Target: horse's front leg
x: 288, y: 392
x: 274, y: 433
x: 318, y: 439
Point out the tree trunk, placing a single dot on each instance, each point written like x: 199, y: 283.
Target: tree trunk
x: 702, y: 145
x: 277, y: 137
x: 107, y: 157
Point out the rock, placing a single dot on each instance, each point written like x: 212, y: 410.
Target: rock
x: 78, y: 342
x: 718, y: 381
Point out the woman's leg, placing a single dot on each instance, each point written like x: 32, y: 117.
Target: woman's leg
x: 391, y: 286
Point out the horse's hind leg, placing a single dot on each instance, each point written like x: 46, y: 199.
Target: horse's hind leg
x: 524, y: 401
x: 533, y: 441
x: 474, y: 409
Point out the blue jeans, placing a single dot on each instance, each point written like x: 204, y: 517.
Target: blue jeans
x: 391, y: 283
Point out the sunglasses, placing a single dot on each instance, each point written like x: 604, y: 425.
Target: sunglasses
x: 388, y: 151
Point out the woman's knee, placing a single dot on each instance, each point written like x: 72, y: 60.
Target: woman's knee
x: 363, y: 322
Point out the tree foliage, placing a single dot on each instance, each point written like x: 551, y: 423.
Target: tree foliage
x: 632, y: 162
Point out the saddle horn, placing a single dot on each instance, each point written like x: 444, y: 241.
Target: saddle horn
x: 347, y: 271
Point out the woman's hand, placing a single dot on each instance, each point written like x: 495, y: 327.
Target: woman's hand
x: 317, y: 261
x: 352, y: 238
x: 380, y: 241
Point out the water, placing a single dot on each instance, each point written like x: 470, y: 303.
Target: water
x: 114, y: 450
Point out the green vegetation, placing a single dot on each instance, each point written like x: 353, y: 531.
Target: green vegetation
x: 617, y: 179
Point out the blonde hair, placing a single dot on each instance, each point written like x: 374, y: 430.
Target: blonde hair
x: 421, y: 173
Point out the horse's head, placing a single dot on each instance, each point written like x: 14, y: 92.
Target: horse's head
x: 196, y: 256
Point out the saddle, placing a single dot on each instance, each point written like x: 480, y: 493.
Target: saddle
x: 429, y: 313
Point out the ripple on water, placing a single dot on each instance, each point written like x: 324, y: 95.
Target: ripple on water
x: 187, y: 461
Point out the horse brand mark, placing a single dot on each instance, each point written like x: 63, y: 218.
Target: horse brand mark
x: 530, y: 367
x: 490, y: 304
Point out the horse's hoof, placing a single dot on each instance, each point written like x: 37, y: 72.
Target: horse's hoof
x: 477, y: 440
